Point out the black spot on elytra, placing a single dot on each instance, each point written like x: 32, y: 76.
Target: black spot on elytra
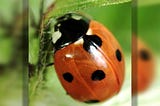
x: 91, y: 41
x: 68, y: 77
x: 67, y: 93
x: 118, y: 55
x: 92, y: 101
x: 98, y: 75
x: 144, y: 55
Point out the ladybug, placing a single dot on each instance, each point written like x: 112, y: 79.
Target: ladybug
x: 143, y: 74
x: 88, y: 59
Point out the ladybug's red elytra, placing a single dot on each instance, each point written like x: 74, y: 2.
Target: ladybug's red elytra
x: 88, y: 60
x: 143, y: 73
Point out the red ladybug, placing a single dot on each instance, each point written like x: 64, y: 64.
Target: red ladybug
x: 88, y: 59
x: 143, y: 74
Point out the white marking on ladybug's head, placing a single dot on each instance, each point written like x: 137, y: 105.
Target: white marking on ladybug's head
x: 76, y: 17
x: 78, y: 42
x: 89, y: 32
x: 59, y: 25
x: 69, y: 56
x: 55, y: 36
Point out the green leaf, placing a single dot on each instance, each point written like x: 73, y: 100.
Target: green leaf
x: 148, y: 2
x: 60, y: 7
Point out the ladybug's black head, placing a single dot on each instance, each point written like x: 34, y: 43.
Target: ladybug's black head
x: 68, y: 29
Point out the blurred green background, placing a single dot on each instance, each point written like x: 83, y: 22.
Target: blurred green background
x: 148, y: 25
x: 11, y: 87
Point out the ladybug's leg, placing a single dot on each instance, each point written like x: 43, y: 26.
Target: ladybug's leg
x: 49, y: 64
